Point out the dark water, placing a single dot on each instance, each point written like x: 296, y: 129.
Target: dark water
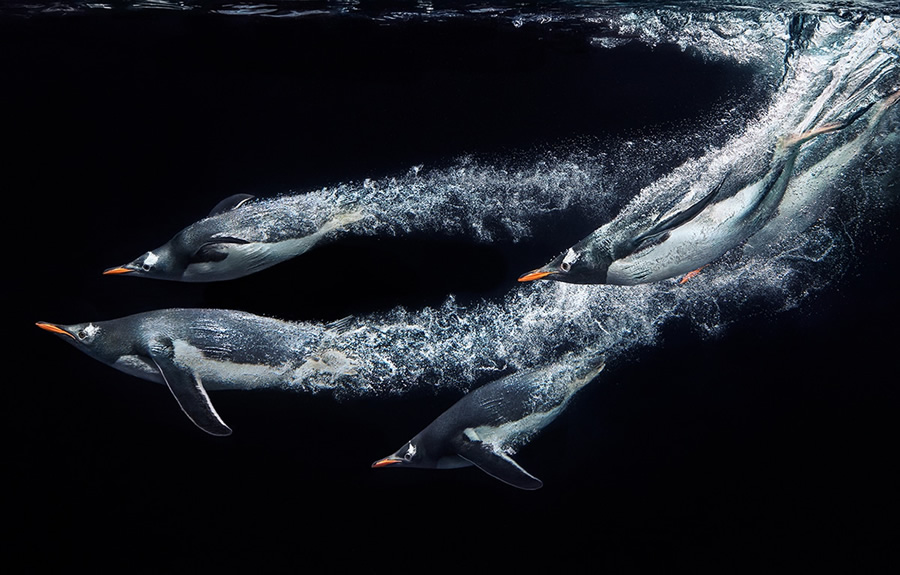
x: 772, y: 440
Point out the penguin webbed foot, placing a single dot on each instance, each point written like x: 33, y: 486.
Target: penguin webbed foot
x: 797, y: 139
x: 691, y: 275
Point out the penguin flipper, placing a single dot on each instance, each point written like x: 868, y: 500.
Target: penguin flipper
x: 190, y: 394
x: 497, y: 464
x: 664, y: 225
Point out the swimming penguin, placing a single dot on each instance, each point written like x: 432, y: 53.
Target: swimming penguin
x: 241, y: 236
x: 195, y: 350
x: 488, y: 424
x: 630, y: 253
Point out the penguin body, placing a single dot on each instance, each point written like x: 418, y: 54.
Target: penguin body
x: 811, y: 193
x: 241, y: 236
x: 491, y: 422
x: 195, y: 350
x: 631, y: 253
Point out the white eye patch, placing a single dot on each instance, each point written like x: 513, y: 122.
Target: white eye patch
x: 91, y: 330
x: 571, y: 257
x: 151, y: 259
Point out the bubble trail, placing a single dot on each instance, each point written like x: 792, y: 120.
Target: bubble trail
x: 845, y: 66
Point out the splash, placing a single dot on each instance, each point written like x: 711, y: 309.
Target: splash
x: 844, y: 66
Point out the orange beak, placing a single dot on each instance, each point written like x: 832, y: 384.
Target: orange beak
x: 534, y: 275
x: 52, y: 328
x: 386, y: 461
x: 117, y: 271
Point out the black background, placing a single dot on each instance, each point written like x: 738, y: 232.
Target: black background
x: 774, y: 442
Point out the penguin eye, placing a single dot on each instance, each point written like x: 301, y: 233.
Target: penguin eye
x: 410, y: 452
x: 149, y: 261
x: 565, y: 266
x: 87, y: 333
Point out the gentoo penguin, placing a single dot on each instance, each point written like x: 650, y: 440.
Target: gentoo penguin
x: 241, y: 236
x: 195, y: 350
x: 811, y: 192
x: 488, y: 424
x: 626, y: 253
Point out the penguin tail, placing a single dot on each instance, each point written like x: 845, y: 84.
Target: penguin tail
x: 796, y: 140
x: 340, y: 326
x: 883, y: 106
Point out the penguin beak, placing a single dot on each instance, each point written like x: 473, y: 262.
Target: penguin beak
x: 386, y: 461
x: 53, y: 328
x: 537, y: 274
x: 117, y: 271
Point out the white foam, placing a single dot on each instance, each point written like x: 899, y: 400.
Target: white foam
x: 538, y: 323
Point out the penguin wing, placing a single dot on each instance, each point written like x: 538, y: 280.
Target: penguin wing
x: 496, y: 464
x: 215, y: 251
x: 190, y: 394
x: 673, y: 221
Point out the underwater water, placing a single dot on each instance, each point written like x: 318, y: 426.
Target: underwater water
x: 753, y: 405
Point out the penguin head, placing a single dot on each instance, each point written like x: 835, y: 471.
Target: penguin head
x: 199, y: 252
x: 410, y: 455
x: 161, y: 263
x: 195, y: 254
x: 95, y: 339
x: 579, y: 264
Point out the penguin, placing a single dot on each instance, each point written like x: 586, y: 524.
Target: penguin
x: 192, y: 351
x: 811, y: 193
x: 631, y: 253
x: 491, y: 422
x: 241, y: 236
